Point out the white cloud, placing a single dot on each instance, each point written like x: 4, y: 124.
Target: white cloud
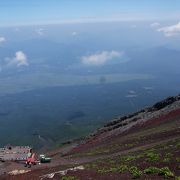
x: 134, y: 26
x: 74, y: 33
x: 131, y: 96
x: 20, y: 59
x: 17, y: 29
x: 169, y: 31
x: 2, y: 39
x: 132, y: 92
x: 155, y: 25
x: 40, y: 31
x: 100, y: 58
x: 148, y: 88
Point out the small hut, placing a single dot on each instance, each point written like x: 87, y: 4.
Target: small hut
x: 14, y: 153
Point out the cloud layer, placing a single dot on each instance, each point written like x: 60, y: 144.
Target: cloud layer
x: 155, y: 25
x: 100, y: 58
x: 20, y: 59
x: 2, y: 39
x: 74, y: 33
x: 40, y: 31
x: 170, y: 31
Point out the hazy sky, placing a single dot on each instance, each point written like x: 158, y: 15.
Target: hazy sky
x: 18, y: 12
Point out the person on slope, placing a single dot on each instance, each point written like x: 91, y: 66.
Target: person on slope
x: 30, y: 159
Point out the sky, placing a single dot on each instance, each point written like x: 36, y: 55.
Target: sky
x: 29, y: 12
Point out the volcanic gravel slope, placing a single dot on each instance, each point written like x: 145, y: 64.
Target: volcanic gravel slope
x: 142, y: 145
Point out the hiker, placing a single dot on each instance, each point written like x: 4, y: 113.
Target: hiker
x: 30, y: 159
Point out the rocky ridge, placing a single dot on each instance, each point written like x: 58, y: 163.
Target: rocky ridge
x: 122, y: 124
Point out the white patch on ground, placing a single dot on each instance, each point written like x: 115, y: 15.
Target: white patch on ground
x: 63, y: 172
x: 16, y: 172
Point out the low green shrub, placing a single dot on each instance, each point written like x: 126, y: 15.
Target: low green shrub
x: 133, y: 168
x: 122, y: 168
x: 140, y: 156
x: 166, y: 172
x: 178, y: 145
x: 167, y: 157
x: 113, y: 169
x: 104, y: 171
x: 69, y: 178
x: 151, y: 170
x: 178, y: 159
x: 135, y: 172
x: 128, y: 158
x: 152, y: 156
x: 166, y: 160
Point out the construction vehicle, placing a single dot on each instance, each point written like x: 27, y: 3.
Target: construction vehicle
x: 44, y: 159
